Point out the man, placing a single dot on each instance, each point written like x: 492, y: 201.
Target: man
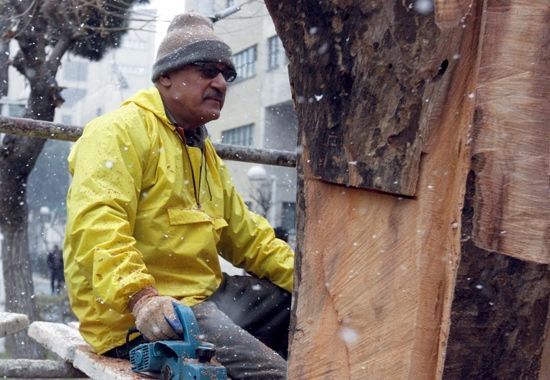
x: 152, y: 205
x: 55, y: 265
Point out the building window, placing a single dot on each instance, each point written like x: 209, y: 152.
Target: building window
x: 72, y: 96
x: 16, y: 110
x: 288, y: 216
x: 239, y: 136
x: 230, y: 3
x: 76, y: 71
x: 132, y: 69
x: 134, y: 43
x: 276, y: 53
x: 66, y: 119
x: 245, y: 62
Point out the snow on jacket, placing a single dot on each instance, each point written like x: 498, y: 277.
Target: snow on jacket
x: 133, y: 221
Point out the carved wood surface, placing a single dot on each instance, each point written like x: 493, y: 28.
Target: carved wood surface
x: 375, y: 272
x: 512, y: 145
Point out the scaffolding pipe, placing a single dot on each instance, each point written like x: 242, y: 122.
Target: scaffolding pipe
x: 48, y: 130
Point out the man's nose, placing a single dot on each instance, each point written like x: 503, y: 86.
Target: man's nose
x: 219, y: 83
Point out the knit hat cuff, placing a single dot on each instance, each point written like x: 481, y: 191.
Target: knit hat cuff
x: 200, y: 51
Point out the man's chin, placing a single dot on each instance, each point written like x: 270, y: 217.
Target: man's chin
x: 211, y: 115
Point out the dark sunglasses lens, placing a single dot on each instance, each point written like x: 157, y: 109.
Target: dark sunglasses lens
x: 212, y: 71
x: 229, y: 75
x: 209, y: 72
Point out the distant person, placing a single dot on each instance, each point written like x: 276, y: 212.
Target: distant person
x: 55, y: 266
x: 152, y: 206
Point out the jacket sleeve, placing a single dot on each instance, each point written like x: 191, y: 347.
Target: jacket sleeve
x: 107, y: 164
x: 249, y: 241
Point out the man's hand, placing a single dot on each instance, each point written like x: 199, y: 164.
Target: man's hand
x: 151, y: 312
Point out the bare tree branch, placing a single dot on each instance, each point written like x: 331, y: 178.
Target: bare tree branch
x: 60, y: 48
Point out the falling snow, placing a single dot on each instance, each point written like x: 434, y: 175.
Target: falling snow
x: 348, y: 335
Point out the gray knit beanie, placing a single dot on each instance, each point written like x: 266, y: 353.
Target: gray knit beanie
x: 190, y: 38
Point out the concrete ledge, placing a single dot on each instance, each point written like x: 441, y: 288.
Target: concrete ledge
x: 58, y: 338
x: 38, y: 369
x: 11, y: 323
x: 66, y: 342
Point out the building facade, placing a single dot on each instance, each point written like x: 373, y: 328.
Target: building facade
x: 258, y: 110
x: 94, y: 88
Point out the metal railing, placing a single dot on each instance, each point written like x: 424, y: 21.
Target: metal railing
x: 48, y: 130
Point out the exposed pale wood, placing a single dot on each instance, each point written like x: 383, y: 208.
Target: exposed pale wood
x: 451, y: 13
x: 501, y: 297
x: 38, y: 369
x: 67, y: 343
x: 376, y: 275
x: 12, y: 322
x: 512, y: 147
x: 375, y: 272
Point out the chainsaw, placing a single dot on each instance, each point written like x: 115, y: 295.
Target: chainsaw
x: 185, y: 359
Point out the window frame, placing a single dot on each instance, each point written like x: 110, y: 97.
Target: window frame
x: 275, y: 53
x: 242, y: 135
x: 245, y: 62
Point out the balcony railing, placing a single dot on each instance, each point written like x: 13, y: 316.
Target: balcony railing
x: 56, y: 131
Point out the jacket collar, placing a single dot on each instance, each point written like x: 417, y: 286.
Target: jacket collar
x: 151, y: 100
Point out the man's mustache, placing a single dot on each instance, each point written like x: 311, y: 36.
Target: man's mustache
x: 214, y: 94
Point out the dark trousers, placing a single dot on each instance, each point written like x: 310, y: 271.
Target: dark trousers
x: 247, y: 320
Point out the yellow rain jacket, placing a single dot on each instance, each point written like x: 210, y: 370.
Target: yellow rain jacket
x: 134, y: 221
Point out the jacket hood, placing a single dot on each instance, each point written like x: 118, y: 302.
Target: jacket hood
x: 150, y: 100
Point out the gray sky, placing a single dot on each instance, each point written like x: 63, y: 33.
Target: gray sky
x: 166, y: 10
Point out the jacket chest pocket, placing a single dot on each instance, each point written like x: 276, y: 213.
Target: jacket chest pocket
x: 196, y: 225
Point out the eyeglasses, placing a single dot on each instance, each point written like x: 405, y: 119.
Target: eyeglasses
x: 210, y: 70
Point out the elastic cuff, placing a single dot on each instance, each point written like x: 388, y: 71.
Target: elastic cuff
x: 143, y: 293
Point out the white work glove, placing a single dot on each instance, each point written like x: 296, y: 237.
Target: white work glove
x: 151, y: 311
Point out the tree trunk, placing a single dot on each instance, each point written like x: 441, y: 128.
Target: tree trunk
x: 17, y: 159
x: 422, y: 117
x: 20, y: 292
x: 4, y: 55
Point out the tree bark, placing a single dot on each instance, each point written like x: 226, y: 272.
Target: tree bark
x: 417, y: 115
x: 20, y: 290
x: 17, y: 159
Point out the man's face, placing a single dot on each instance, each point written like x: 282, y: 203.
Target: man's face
x: 194, y: 94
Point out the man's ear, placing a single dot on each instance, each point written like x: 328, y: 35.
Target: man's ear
x: 165, y: 80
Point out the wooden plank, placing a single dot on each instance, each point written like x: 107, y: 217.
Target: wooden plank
x: 512, y: 154
x: 12, y: 322
x: 103, y: 368
x: 67, y: 343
